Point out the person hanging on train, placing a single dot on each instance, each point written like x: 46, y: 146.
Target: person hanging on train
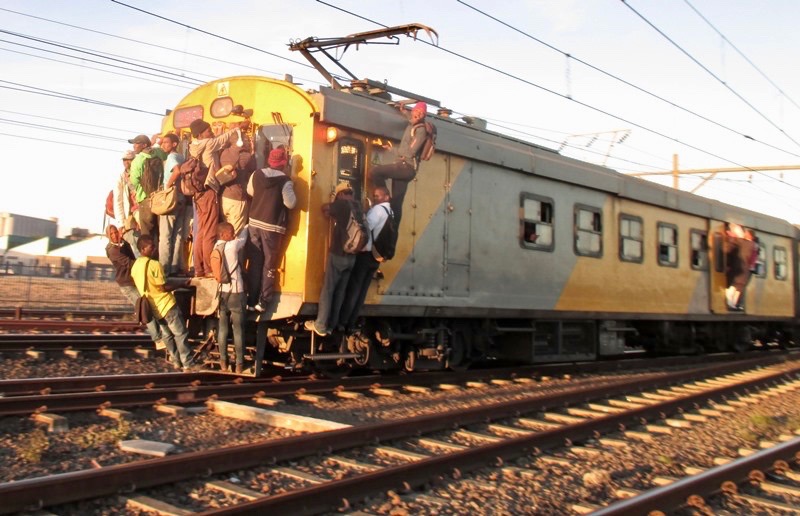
x: 206, y: 147
x: 124, y: 203
x: 366, y: 264
x: 406, y: 163
x: 738, y: 259
x: 147, y: 170
x: 340, y: 263
x: 232, y: 295
x: 173, y: 227
x: 122, y: 258
x: 272, y: 193
x: 238, y: 164
x: 149, y: 278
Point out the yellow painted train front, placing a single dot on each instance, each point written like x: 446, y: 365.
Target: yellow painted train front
x: 506, y: 249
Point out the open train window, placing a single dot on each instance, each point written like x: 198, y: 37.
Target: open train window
x: 350, y: 164
x: 698, y: 240
x: 631, y: 239
x: 781, y: 259
x: 536, y: 222
x: 667, y: 244
x: 588, y: 231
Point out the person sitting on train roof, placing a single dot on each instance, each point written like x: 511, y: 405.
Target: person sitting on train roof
x: 340, y: 263
x: 231, y: 295
x: 122, y: 258
x: 149, y: 278
x: 366, y: 264
x: 739, y: 259
x: 272, y: 193
x: 125, y: 205
x: 241, y: 163
x: 404, y: 168
x: 144, y: 149
x: 206, y: 147
x: 173, y: 227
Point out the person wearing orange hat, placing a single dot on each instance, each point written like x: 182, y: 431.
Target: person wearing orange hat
x: 406, y: 163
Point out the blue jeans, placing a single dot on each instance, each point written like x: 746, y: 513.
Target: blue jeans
x: 231, y: 303
x: 263, y: 251
x: 132, y: 294
x: 175, y: 336
x: 172, y: 231
x: 337, y: 273
x: 357, y: 288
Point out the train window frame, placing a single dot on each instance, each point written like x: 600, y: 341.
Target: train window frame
x: 702, y: 252
x: 186, y: 115
x: 542, y: 226
x: 355, y: 180
x: 596, y: 228
x: 781, y: 266
x: 623, y: 238
x: 664, y: 247
x: 227, y: 108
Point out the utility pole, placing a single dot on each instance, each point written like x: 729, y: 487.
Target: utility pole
x: 711, y: 172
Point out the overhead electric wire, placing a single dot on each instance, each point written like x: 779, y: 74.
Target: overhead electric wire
x: 57, y: 142
x: 58, y: 129
x: 712, y: 74
x: 129, y: 131
x: 153, y: 45
x: 67, y: 96
x: 553, y: 92
x: 92, y: 68
x: 756, y: 68
x: 624, y: 81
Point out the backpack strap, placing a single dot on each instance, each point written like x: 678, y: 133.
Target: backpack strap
x: 389, y: 213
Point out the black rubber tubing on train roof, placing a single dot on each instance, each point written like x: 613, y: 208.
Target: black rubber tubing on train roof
x: 68, y: 487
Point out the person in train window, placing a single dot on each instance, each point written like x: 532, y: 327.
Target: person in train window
x: 206, y: 147
x: 173, y: 227
x: 366, y: 264
x: 340, y: 263
x: 122, y: 258
x: 148, y: 274
x: 272, y: 193
x: 739, y: 260
x: 404, y: 168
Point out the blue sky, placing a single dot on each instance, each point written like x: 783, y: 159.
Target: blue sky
x: 534, y: 91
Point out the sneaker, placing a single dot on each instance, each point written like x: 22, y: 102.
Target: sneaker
x: 312, y: 326
x: 160, y: 345
x: 192, y: 368
x: 259, y: 308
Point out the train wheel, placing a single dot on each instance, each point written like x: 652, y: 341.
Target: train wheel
x: 460, y: 348
x: 358, y: 343
x: 410, y: 361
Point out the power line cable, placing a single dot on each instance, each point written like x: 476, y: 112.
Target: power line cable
x: 756, y: 68
x: 712, y: 74
x: 153, y: 45
x: 67, y: 96
x: 58, y: 129
x: 565, y: 97
x: 624, y: 81
x: 57, y: 142
x: 128, y: 131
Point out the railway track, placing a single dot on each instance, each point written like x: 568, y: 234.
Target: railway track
x: 513, y: 430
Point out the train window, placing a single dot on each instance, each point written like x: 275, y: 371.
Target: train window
x: 221, y: 107
x: 781, y: 259
x: 667, y: 244
x: 631, y: 239
x: 350, y: 164
x: 183, y: 117
x: 699, y: 250
x: 588, y: 231
x: 760, y: 267
x: 536, y: 224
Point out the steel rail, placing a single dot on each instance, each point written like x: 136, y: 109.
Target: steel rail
x: 675, y: 495
x: 20, y: 313
x: 61, y: 325
x: 69, y: 487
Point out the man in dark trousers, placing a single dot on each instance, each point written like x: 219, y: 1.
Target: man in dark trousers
x: 273, y: 196
x: 339, y: 264
x: 404, y: 168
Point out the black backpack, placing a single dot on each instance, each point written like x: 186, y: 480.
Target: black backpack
x: 384, y: 243
x: 356, y: 235
x: 152, y: 174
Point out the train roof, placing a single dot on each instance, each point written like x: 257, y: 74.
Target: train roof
x: 371, y: 114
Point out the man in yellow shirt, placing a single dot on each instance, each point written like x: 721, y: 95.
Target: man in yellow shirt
x: 148, y: 276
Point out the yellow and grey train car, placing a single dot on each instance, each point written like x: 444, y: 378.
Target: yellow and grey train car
x: 506, y: 249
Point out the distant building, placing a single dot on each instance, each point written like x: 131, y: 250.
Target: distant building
x: 24, y: 226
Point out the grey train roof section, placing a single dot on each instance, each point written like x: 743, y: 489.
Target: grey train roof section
x: 372, y: 115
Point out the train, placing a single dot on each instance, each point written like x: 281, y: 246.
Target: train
x: 617, y: 265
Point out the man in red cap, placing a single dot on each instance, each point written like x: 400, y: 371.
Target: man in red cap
x: 404, y: 168
x: 273, y: 196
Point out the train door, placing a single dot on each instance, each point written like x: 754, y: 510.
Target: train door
x: 718, y: 282
x: 458, y: 210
